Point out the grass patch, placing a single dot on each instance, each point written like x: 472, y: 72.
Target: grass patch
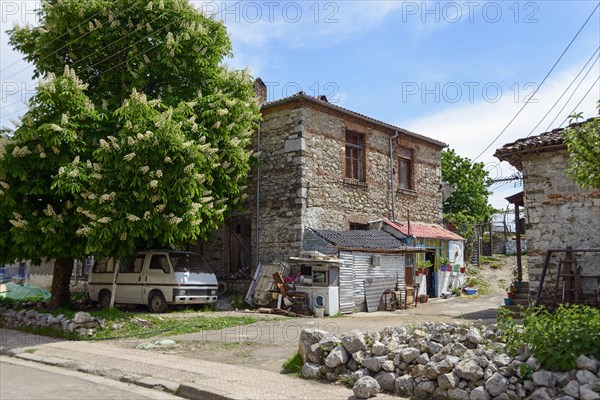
x: 119, y: 323
x: 476, y: 280
x: 30, y: 351
x: 149, y: 325
x: 492, y: 259
x: 49, y: 331
x: 293, y: 365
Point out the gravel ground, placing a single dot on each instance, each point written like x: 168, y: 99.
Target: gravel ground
x: 267, y: 343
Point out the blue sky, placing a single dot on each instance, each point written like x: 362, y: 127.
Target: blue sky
x: 457, y: 71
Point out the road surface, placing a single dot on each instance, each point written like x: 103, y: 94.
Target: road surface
x: 25, y: 380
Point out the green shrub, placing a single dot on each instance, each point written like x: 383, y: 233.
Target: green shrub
x: 293, y: 365
x: 556, y: 339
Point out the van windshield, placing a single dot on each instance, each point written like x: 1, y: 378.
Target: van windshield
x: 189, y: 262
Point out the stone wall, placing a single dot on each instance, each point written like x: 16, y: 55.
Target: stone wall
x: 558, y: 213
x: 302, y: 181
x: 333, y: 202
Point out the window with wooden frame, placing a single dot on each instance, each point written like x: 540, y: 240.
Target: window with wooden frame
x: 405, y: 169
x: 355, y: 156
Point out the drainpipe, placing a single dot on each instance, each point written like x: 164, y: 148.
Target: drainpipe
x: 257, y: 197
x: 392, y: 176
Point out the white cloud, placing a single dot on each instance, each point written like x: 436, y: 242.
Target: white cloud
x: 470, y: 128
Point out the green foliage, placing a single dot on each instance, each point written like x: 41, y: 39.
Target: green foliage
x: 237, y: 301
x: 21, y: 302
x: 167, y: 326
x: 468, y: 204
x: 293, y: 365
x: 477, y: 280
x: 556, y: 339
x: 525, y: 370
x: 583, y: 142
x: 139, y: 134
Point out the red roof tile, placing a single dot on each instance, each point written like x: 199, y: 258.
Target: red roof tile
x: 510, y: 152
x: 425, y: 231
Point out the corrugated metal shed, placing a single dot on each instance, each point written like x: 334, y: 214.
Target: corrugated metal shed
x: 347, y: 283
x: 356, y: 249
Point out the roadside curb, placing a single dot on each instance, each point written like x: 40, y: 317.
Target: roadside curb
x: 110, y: 373
x: 196, y: 392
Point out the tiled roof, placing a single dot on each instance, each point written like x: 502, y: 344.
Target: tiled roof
x: 424, y: 231
x: 304, y: 96
x: 362, y: 240
x: 555, y: 137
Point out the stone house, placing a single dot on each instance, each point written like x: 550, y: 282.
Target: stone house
x: 328, y: 168
x: 558, y: 213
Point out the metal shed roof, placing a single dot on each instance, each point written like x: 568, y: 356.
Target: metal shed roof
x: 369, y: 241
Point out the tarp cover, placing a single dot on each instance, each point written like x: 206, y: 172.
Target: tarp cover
x: 14, y: 291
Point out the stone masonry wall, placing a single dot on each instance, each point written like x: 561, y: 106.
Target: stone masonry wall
x: 559, y: 213
x: 302, y: 182
x: 333, y: 202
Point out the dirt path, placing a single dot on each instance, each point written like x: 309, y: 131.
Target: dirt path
x: 267, y: 343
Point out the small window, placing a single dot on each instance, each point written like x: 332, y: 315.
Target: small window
x: 355, y: 156
x: 160, y: 261
x: 358, y: 227
x: 405, y: 169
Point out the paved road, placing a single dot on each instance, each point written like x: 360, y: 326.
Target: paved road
x: 27, y: 380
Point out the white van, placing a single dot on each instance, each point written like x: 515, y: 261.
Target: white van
x: 158, y: 278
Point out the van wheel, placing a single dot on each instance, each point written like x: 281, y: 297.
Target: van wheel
x: 156, y: 302
x: 104, y: 299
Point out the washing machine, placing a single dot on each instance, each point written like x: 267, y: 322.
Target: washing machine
x: 327, y: 297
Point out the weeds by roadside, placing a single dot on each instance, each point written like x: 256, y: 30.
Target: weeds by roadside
x: 293, y: 365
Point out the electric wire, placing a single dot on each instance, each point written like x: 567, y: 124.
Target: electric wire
x: 560, y: 112
x: 540, y: 85
x: 581, y: 101
x: 127, y: 48
x: 566, y: 90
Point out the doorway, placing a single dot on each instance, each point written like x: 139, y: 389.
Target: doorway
x: 431, y: 278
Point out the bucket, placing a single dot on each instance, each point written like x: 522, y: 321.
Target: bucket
x: 319, y: 312
x: 507, y: 302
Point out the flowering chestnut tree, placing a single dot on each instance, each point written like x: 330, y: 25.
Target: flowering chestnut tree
x: 139, y: 134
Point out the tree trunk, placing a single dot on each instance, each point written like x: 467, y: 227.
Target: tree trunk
x: 61, y: 281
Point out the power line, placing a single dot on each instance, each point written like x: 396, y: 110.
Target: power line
x: 55, y: 51
x: 127, y: 48
x: 581, y: 101
x: 540, y: 85
x: 566, y: 90
x: 569, y: 99
x: 52, y: 41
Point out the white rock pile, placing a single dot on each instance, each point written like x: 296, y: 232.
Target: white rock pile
x: 82, y: 323
x: 440, y: 361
